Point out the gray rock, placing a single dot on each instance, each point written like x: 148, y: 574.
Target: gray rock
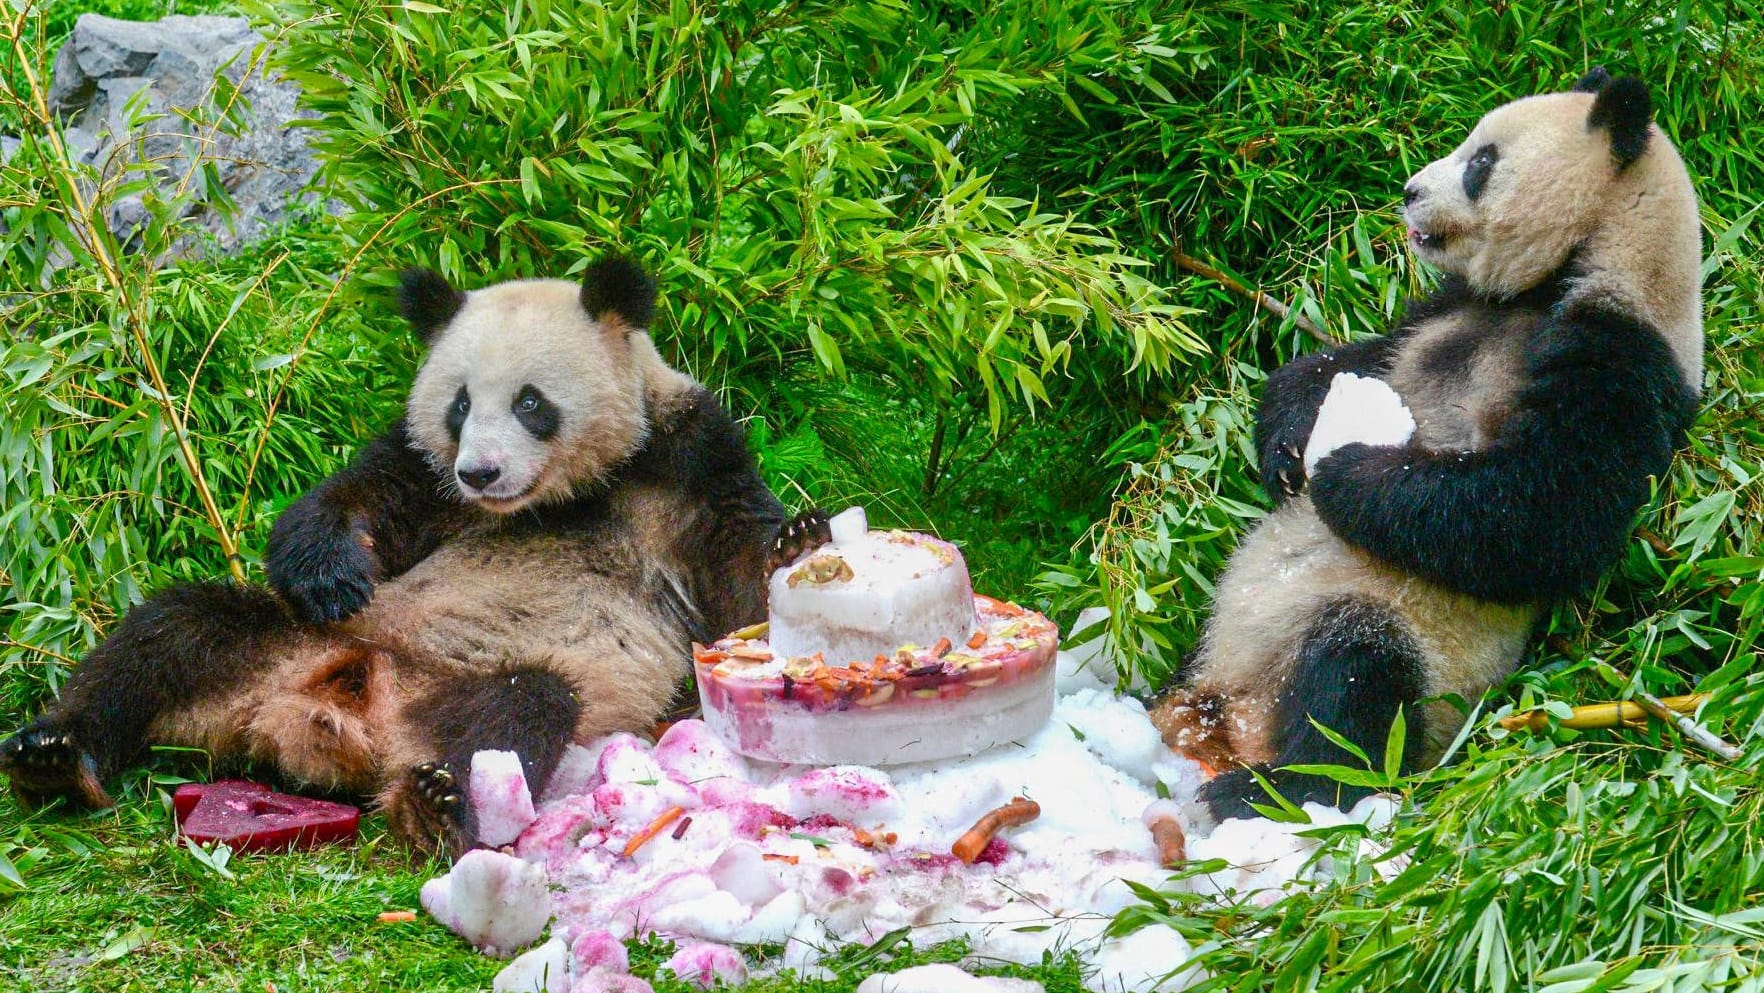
x: 8, y: 145
x: 142, y: 95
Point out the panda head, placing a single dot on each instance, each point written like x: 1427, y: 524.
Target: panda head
x: 532, y: 390
x: 1533, y: 181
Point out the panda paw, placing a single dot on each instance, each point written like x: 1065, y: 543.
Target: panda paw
x: 798, y: 536
x: 325, y: 575
x: 46, y: 763
x: 427, y: 808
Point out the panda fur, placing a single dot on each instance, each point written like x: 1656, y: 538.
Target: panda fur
x: 523, y: 561
x: 1550, y: 376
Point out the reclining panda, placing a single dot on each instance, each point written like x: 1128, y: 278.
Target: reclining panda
x: 1418, y: 536
x: 523, y: 561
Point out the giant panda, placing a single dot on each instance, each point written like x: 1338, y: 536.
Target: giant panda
x: 1553, y: 373
x: 522, y: 561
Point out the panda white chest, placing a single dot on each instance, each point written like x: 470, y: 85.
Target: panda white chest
x: 1460, y: 375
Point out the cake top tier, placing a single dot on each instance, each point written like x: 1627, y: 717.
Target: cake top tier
x: 868, y: 593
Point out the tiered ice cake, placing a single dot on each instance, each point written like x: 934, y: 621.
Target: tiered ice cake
x: 878, y: 652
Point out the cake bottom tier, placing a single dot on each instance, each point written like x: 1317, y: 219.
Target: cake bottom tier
x: 912, y: 730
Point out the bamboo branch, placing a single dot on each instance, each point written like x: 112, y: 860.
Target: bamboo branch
x: 1278, y: 307
x: 1600, y: 715
x: 39, y: 649
x: 1659, y: 544
x: 1675, y: 710
x: 91, y: 228
x: 1687, y: 726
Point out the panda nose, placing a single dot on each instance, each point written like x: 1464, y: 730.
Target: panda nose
x: 1411, y: 193
x: 477, y: 479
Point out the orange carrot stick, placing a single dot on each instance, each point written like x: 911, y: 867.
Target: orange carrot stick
x: 978, y: 639
x: 969, y: 846
x: 655, y: 827
x: 396, y: 917
x: 1172, y: 843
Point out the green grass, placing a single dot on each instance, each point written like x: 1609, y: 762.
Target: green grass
x: 117, y: 904
x: 798, y: 238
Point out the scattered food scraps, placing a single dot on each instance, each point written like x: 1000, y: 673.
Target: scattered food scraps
x: 813, y: 859
x: 969, y: 846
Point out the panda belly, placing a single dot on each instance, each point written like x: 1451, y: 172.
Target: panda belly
x: 1285, y: 574
x: 585, y: 609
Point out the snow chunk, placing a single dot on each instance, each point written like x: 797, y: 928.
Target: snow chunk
x: 704, y: 965
x: 1357, y: 410
x: 541, y: 970
x: 1115, y: 730
x: 574, y: 769
x: 603, y: 980
x: 844, y: 792
x: 691, y: 754
x: 943, y: 979
x: 500, y: 798
x: 600, y: 949
x: 1142, y: 963
x: 1090, y: 665
x: 496, y: 902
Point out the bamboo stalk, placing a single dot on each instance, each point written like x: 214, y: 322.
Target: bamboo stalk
x: 1602, y: 715
x: 1675, y: 710
x: 85, y: 223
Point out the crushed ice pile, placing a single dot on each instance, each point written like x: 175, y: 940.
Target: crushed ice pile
x: 688, y: 840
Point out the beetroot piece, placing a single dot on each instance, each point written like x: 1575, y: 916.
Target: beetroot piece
x: 250, y: 817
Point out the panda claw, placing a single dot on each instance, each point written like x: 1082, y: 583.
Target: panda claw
x: 44, y: 765
x: 427, y: 810
x: 797, y: 536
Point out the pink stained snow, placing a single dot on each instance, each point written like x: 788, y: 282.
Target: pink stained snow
x: 766, y: 854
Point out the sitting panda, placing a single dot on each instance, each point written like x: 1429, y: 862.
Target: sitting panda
x: 1416, y: 542
x: 523, y: 561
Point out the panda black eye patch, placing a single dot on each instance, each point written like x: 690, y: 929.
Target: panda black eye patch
x: 1477, y: 170
x: 457, y: 411
x: 537, y: 414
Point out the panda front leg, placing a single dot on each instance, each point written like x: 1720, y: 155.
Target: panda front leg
x: 1355, y: 667
x: 186, y: 650
x: 525, y: 708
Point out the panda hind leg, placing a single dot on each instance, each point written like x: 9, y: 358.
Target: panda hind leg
x: 1356, y: 665
x: 526, y: 708
x: 187, y: 646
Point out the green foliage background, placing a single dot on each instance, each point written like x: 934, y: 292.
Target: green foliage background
x: 931, y: 253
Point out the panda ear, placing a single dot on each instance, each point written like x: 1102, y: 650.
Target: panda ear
x: 617, y: 285
x: 1594, y: 80
x: 1624, y: 109
x: 427, y: 301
